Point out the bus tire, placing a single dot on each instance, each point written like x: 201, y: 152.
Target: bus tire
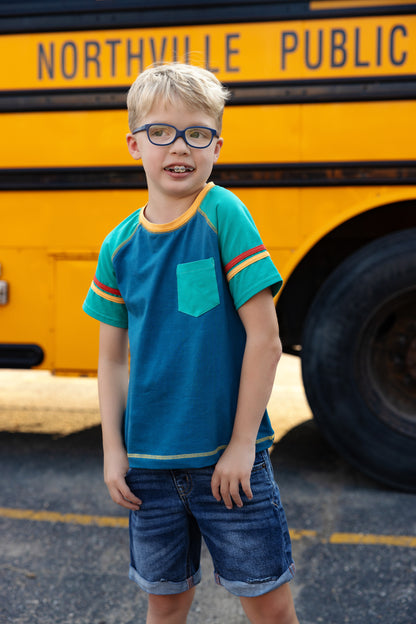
x: 359, y: 359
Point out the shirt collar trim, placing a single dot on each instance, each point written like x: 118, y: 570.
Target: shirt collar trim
x: 179, y: 221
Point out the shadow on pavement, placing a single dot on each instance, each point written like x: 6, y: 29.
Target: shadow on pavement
x: 304, y: 446
x: 304, y: 451
x: 86, y: 440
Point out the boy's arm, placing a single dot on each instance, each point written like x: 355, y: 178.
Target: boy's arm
x: 113, y: 378
x: 261, y: 356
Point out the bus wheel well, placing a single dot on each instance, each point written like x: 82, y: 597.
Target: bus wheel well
x: 326, y: 255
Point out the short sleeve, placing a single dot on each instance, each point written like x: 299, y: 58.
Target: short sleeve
x: 247, y: 263
x: 104, y: 301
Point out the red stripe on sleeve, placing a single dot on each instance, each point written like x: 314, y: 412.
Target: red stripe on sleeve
x: 106, y: 289
x: 243, y: 256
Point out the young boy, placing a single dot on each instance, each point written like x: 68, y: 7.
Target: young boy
x: 188, y: 286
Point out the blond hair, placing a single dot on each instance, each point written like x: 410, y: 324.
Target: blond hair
x: 196, y: 87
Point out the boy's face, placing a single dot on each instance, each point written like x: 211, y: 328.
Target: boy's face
x: 159, y: 161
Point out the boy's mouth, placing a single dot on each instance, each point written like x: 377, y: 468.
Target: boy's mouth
x: 179, y: 169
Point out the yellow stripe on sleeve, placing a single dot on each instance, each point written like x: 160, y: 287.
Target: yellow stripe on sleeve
x: 104, y: 295
x: 246, y: 263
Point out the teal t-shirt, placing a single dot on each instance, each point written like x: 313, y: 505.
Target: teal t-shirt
x: 177, y: 288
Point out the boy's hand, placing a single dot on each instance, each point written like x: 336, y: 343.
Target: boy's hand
x: 232, y: 470
x: 116, y: 466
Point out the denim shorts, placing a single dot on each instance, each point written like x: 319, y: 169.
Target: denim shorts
x: 250, y: 545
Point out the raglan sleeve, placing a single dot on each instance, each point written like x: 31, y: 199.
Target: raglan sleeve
x: 247, y: 263
x: 104, y: 301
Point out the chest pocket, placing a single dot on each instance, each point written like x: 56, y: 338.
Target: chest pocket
x: 197, y: 287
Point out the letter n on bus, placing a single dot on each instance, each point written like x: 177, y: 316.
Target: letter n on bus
x: 46, y: 62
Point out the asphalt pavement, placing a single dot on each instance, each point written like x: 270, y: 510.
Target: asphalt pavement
x: 64, y: 544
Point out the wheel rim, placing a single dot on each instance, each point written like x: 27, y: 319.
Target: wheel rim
x: 386, y: 363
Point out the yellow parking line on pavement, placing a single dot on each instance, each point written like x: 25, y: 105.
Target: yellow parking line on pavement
x: 53, y: 516
x: 363, y: 538
x: 406, y: 541
x: 297, y: 534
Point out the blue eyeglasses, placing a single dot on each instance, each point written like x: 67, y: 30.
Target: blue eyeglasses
x: 165, y: 134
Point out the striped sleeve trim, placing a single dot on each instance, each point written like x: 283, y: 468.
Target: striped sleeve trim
x: 110, y: 294
x: 107, y: 289
x: 244, y: 260
x: 242, y: 256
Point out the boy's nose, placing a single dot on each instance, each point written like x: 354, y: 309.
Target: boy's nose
x: 179, y: 145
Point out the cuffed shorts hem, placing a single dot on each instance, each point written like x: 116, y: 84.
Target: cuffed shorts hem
x: 162, y: 587
x: 255, y: 588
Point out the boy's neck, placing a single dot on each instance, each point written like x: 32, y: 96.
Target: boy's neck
x: 162, y: 210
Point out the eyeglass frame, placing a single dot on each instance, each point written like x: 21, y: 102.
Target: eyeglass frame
x: 179, y: 134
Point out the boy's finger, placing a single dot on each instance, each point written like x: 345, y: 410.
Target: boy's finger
x: 122, y: 495
x: 118, y: 498
x: 245, y: 485
x: 128, y: 495
x: 215, y: 487
x: 226, y: 495
x: 235, y: 493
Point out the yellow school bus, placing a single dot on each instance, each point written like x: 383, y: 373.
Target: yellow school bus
x: 320, y: 144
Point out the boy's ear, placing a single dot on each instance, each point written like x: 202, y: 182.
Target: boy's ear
x: 217, y: 149
x: 133, y: 147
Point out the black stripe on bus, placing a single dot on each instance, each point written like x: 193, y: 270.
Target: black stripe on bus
x: 242, y: 93
x: 251, y: 175
x: 53, y: 16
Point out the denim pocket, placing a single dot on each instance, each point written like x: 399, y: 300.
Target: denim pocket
x: 259, y: 462
x: 197, y: 287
